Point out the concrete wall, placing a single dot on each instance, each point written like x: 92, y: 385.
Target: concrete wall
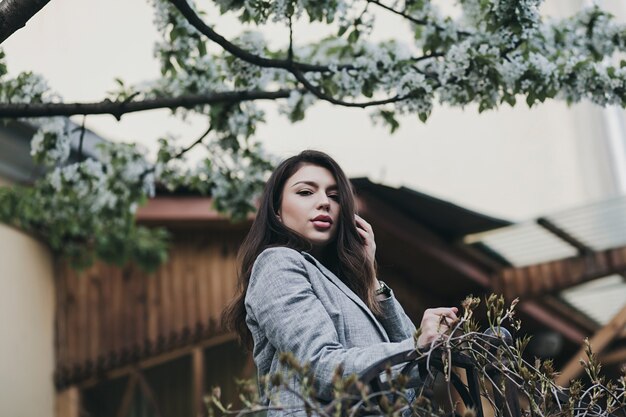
x: 26, y: 325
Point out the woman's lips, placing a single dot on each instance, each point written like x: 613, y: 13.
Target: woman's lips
x: 322, y: 224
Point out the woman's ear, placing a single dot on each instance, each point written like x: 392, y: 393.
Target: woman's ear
x: 280, y: 219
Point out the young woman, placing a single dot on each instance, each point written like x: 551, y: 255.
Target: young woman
x: 308, y: 285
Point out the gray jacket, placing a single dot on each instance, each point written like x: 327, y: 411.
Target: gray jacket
x: 295, y: 304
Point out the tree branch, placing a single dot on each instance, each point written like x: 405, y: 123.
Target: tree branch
x: 323, y: 96
x: 296, y: 68
x: 119, y: 108
x: 15, y: 13
x: 195, y: 20
x: 410, y: 18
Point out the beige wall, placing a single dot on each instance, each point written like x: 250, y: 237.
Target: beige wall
x: 27, y: 326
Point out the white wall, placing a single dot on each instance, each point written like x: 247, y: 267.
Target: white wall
x: 27, y: 325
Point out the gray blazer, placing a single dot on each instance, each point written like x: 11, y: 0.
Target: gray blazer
x: 295, y: 304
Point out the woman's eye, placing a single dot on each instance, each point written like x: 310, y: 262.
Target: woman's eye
x: 334, y: 197
x: 304, y: 192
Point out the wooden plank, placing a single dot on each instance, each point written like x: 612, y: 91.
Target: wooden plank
x: 228, y: 283
x: 177, y: 293
x: 148, y: 393
x: 117, y: 334
x: 139, y: 313
x: 166, y: 301
x: 70, y: 308
x: 598, y: 342
x: 198, y: 378
x: 204, y: 284
x: 573, y: 315
x: 218, y: 269
x: 617, y: 356
x: 111, y: 279
x: 127, y: 313
x: 158, y: 359
x: 532, y: 275
x: 109, y: 314
x: 82, y: 302
x: 547, y: 277
x: 127, y: 398
x: 94, y: 318
x: 559, y: 324
x: 190, y: 287
x: 152, y: 309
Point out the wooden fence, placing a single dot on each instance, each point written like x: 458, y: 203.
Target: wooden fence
x: 108, y: 317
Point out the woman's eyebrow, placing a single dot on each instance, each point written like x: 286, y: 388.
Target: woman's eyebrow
x: 314, y: 184
x: 311, y: 183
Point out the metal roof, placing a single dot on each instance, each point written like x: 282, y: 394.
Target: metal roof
x: 600, y: 299
x: 593, y: 227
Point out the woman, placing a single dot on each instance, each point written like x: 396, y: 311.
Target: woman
x: 308, y: 285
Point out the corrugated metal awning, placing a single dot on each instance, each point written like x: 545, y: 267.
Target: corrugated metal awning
x: 564, y: 250
x: 594, y: 227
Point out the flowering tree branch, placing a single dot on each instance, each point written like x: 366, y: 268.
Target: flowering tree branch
x: 493, y: 53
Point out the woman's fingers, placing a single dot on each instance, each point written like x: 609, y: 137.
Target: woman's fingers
x: 435, y: 322
x: 367, y: 234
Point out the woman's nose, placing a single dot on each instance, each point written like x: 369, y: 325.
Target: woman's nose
x: 324, y: 202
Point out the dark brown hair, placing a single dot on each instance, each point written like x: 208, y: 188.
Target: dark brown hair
x: 347, y: 256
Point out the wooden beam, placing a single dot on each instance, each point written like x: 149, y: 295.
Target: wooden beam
x: 598, y: 342
x: 67, y: 402
x: 159, y: 359
x: 559, y: 274
x: 411, y: 233
x: 127, y: 398
x: 573, y: 315
x: 558, y: 324
x: 184, y: 209
x: 616, y: 356
x: 148, y: 393
x: 198, y: 378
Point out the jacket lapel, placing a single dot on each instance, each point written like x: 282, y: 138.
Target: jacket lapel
x: 346, y: 290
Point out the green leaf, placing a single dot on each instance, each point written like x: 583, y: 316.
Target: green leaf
x: 389, y: 118
x: 353, y: 37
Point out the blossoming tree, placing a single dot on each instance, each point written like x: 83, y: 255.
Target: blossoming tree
x: 493, y: 52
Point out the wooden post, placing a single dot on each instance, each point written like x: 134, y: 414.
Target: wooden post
x: 67, y: 402
x: 198, y: 378
x: 598, y: 342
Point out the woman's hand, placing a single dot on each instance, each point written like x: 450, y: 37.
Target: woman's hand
x: 367, y: 234
x: 435, y: 322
